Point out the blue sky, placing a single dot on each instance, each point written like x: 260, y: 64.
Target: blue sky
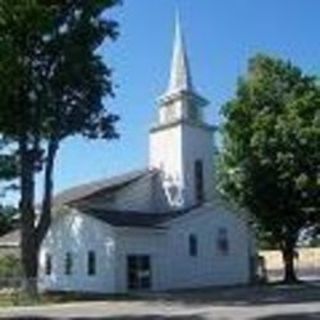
x: 220, y: 37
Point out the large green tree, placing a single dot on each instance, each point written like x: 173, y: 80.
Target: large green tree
x: 52, y: 82
x: 271, y: 151
x: 8, y: 172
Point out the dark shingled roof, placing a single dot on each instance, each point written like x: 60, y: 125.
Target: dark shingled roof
x: 134, y: 218
x: 128, y: 218
x: 83, y: 191
x: 115, y: 218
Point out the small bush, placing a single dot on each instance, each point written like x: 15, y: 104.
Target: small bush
x: 10, y: 266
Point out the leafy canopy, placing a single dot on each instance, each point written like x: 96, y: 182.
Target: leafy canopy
x: 271, y: 155
x: 52, y: 79
x: 53, y: 82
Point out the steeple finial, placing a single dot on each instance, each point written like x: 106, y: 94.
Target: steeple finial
x: 180, y: 77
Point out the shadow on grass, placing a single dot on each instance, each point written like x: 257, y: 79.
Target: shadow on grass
x: 297, y: 316
x: 237, y: 296
x: 126, y: 317
x: 243, y: 296
x: 217, y: 296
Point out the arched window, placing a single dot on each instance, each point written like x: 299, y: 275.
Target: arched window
x: 198, y: 181
x: 193, y: 245
x: 91, y: 263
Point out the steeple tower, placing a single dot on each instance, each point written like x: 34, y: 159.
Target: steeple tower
x: 180, y: 102
x: 180, y: 77
x: 181, y: 145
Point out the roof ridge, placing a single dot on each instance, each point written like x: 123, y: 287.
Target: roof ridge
x: 132, y: 218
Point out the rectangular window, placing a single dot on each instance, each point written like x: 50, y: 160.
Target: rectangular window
x: 198, y: 180
x: 48, y: 264
x: 193, y: 245
x: 68, y: 264
x: 91, y: 263
x: 223, y: 241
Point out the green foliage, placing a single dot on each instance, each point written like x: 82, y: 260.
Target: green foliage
x: 315, y: 242
x: 8, y: 167
x: 52, y: 78
x: 8, y: 219
x: 271, y: 157
x: 53, y: 85
x: 10, y: 266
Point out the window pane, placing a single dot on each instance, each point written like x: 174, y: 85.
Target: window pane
x: 91, y: 263
x: 198, y: 178
x: 68, y: 263
x: 193, y: 245
x: 223, y: 241
x: 48, y: 264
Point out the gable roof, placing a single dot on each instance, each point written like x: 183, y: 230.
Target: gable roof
x: 134, y: 218
x: 74, y: 197
x: 86, y: 190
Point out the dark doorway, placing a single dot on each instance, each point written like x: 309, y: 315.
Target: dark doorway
x: 139, y: 272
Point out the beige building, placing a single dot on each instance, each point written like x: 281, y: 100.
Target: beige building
x: 307, y: 263
x: 10, y: 243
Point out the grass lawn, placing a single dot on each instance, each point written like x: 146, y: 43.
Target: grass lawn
x: 15, y: 298
x: 10, y: 299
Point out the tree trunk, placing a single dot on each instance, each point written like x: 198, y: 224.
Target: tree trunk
x: 288, y: 255
x: 29, y: 250
x: 29, y: 253
x: 45, y: 218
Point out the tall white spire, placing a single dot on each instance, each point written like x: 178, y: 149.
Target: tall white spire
x: 180, y: 77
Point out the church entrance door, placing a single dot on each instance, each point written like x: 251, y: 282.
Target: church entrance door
x: 139, y: 272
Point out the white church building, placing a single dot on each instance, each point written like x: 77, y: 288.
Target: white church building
x: 161, y: 228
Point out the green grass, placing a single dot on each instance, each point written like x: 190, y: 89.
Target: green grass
x: 21, y: 299
x: 6, y: 300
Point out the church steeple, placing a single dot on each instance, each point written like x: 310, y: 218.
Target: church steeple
x: 181, y: 140
x: 180, y: 101
x: 180, y: 76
